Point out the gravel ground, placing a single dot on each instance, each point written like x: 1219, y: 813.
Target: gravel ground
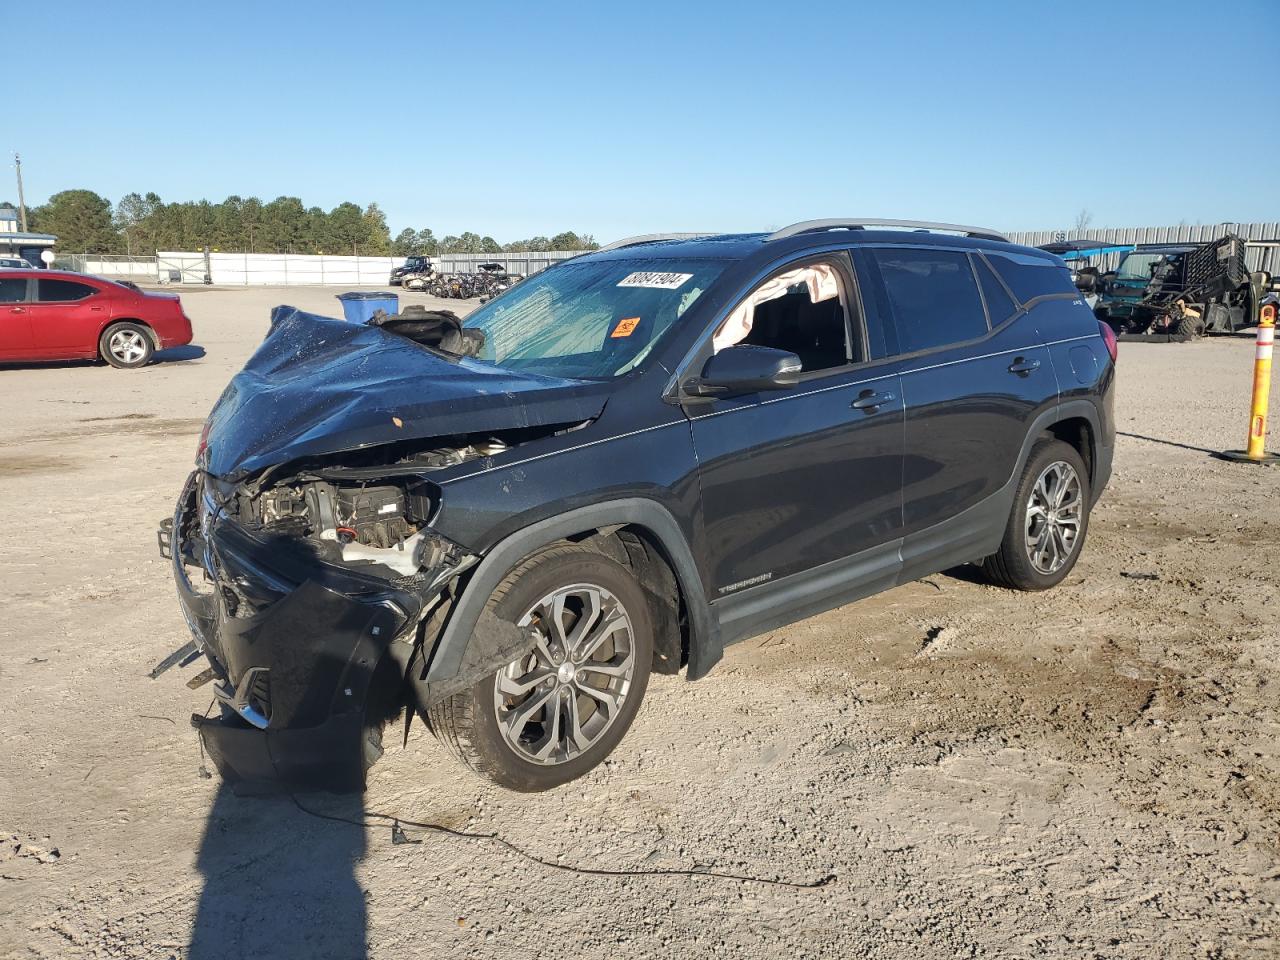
x: 1091, y: 772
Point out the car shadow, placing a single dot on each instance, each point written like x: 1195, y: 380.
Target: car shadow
x: 279, y: 882
x: 967, y: 572
x: 191, y: 351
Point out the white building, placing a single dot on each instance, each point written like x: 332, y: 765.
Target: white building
x: 16, y: 243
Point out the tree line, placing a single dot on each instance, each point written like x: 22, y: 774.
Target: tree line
x: 141, y: 224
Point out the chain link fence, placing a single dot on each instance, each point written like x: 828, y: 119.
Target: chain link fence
x: 1262, y: 252
x: 115, y: 267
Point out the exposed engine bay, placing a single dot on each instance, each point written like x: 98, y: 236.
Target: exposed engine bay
x: 367, y: 515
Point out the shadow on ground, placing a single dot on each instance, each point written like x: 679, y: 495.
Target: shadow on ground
x: 279, y: 883
x: 191, y: 351
x: 1167, y: 443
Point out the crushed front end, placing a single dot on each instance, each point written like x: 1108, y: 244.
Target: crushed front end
x: 305, y: 546
x: 305, y: 599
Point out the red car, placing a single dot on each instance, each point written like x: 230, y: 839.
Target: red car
x: 53, y: 315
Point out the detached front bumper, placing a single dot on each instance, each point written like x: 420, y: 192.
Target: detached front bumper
x: 300, y: 649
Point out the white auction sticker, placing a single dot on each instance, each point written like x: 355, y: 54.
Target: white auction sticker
x: 658, y: 281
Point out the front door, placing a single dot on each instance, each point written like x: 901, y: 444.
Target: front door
x: 797, y: 478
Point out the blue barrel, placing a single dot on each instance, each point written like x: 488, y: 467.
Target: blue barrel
x: 360, y: 307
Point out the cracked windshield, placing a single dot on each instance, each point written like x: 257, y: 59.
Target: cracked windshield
x: 590, y: 320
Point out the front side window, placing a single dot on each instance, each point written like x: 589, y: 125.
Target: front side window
x: 933, y: 295
x: 13, y: 289
x: 590, y: 319
x: 62, y: 291
x: 1137, y: 266
x: 800, y: 310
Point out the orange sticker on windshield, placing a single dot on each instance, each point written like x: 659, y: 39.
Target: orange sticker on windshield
x: 625, y: 327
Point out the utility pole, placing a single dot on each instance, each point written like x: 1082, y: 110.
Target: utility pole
x: 22, y: 203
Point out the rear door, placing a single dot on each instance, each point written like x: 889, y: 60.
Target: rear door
x: 66, y: 317
x: 15, y: 318
x: 975, y: 374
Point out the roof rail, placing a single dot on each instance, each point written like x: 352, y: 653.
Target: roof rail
x: 853, y: 223
x: 651, y: 238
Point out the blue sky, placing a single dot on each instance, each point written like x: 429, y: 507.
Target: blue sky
x: 613, y: 119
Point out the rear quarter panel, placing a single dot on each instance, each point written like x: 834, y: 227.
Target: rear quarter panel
x: 1084, y: 370
x: 163, y: 315
x: 1081, y: 362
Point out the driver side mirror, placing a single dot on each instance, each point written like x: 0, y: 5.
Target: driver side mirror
x: 745, y: 369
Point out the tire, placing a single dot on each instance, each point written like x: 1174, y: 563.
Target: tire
x: 1017, y: 564
x: 126, y: 345
x: 1190, y: 327
x: 495, y: 741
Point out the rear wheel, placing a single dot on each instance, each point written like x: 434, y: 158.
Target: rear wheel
x: 552, y: 714
x: 1190, y: 326
x: 126, y: 345
x: 1048, y: 523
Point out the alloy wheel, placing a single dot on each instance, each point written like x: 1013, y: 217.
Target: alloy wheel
x: 1054, y: 513
x: 127, y: 346
x: 559, y: 699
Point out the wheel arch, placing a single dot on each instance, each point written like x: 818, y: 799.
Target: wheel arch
x: 1078, y: 432
x: 639, y: 531
x: 1076, y: 422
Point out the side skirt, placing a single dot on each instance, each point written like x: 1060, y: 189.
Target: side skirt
x: 965, y: 538
x: 968, y: 536
x: 763, y: 608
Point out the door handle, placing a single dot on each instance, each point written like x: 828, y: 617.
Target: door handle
x: 1022, y: 366
x: 869, y: 401
x: 17, y: 310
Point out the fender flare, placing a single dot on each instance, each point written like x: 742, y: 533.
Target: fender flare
x: 1066, y: 410
x: 457, y: 659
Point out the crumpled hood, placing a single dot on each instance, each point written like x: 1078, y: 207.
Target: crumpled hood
x: 318, y: 385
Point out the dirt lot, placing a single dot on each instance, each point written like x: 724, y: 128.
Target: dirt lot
x: 1093, y: 772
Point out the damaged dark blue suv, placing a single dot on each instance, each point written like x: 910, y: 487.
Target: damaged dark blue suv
x: 504, y: 524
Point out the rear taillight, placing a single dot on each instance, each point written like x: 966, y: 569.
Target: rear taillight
x: 1109, y: 336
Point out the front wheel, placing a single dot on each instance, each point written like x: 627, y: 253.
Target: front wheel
x: 1048, y: 523
x: 126, y: 345
x: 551, y: 715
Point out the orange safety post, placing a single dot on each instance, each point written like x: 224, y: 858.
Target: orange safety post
x: 1255, y: 451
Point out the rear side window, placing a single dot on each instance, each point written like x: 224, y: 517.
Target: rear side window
x: 1000, y: 307
x: 13, y: 289
x: 934, y: 297
x: 60, y: 291
x: 1030, y: 277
